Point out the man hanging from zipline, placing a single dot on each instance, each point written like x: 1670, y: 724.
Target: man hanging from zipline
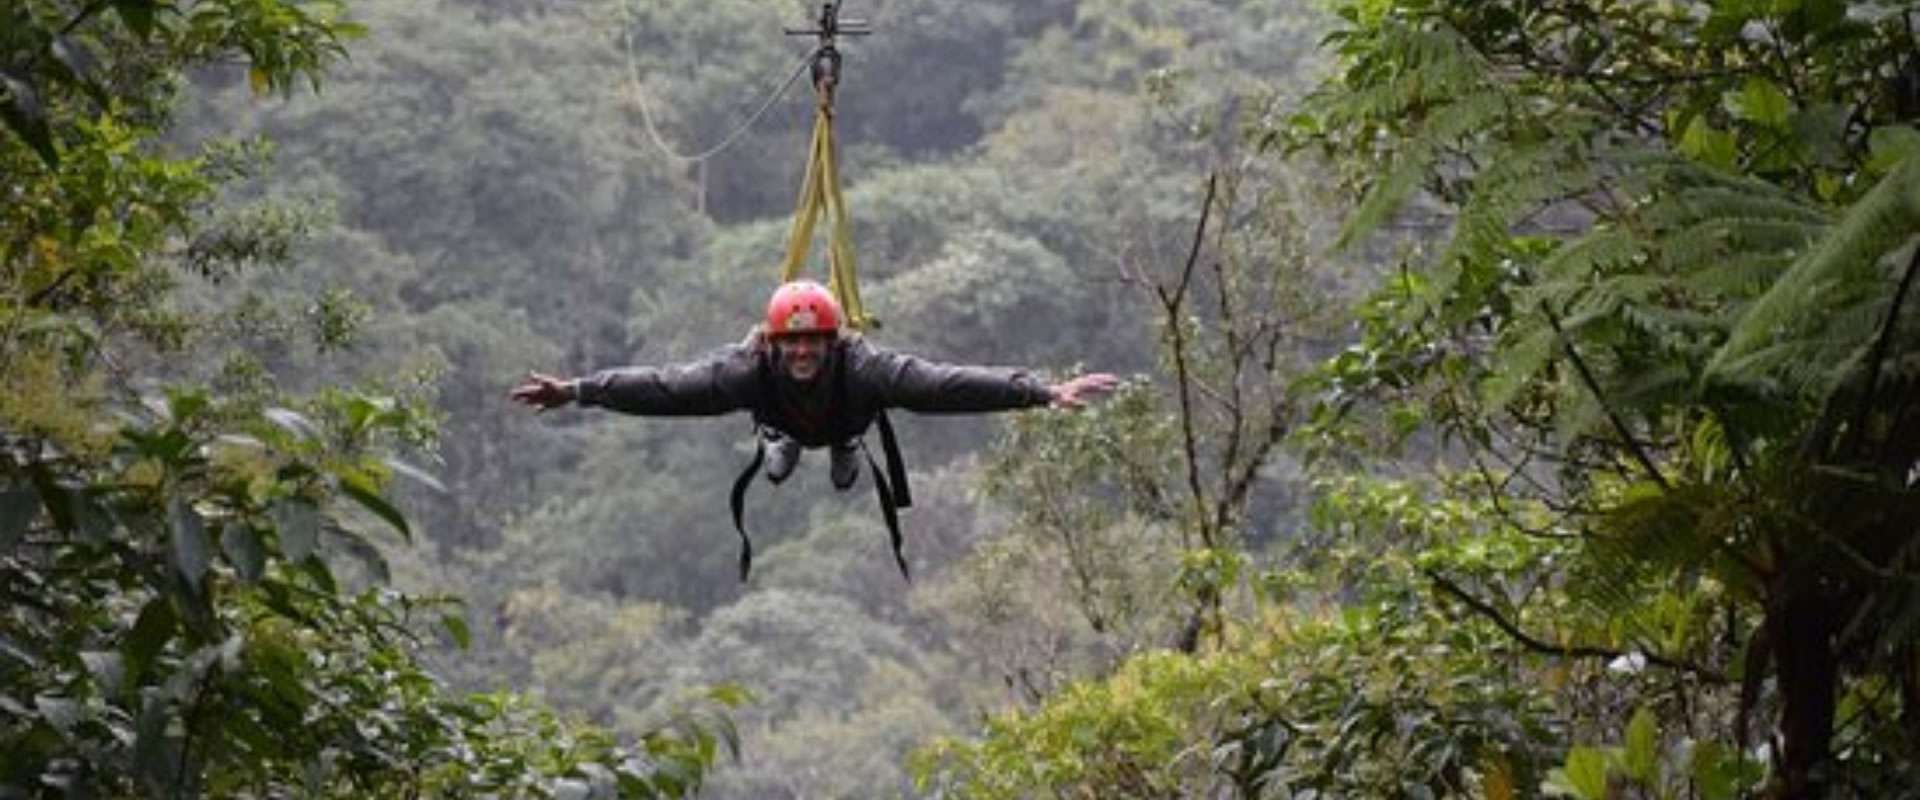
x: 808, y: 385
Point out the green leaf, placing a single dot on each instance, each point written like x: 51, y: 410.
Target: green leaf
x: 422, y: 476
x: 1711, y: 775
x: 363, y: 551
x: 18, y: 507
x: 25, y: 117
x: 1761, y: 102
x: 1888, y: 145
x: 1642, y: 747
x: 138, y: 14
x: 18, y: 652
x: 155, y: 753
x: 61, y: 712
x: 108, y: 669
x: 457, y: 628
x: 1705, y: 143
x: 93, y: 522
x: 192, y: 552
x: 299, y: 524
x: 242, y: 546
x: 292, y: 422
x: 362, y: 490
x: 1584, y: 776
x: 150, y: 634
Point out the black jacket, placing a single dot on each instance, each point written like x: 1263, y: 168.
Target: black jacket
x: 858, y: 381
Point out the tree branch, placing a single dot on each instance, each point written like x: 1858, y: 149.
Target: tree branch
x: 1619, y: 425
x: 1171, y: 303
x: 1537, y: 645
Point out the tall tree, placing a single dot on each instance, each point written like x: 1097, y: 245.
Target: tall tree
x: 1671, y: 306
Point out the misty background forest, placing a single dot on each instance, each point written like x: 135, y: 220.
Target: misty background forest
x: 1520, y: 400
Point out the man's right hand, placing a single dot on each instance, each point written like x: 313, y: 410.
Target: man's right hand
x: 543, y: 391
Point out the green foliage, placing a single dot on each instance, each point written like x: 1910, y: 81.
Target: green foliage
x: 1677, y: 316
x: 184, y: 568
x: 1380, y: 701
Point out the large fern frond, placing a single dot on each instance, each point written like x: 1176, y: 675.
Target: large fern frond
x: 1798, y: 313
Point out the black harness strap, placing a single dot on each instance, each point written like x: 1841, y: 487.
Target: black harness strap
x: 890, y: 486
x: 739, y: 501
x: 889, y: 510
x: 896, y: 466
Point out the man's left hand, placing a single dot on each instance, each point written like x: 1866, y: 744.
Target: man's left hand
x: 1076, y: 393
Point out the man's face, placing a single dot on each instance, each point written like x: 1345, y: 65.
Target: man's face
x: 802, y: 354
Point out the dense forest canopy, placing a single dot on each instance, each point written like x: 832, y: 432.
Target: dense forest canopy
x: 1520, y: 400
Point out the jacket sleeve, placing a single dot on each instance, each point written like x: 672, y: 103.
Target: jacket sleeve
x: 916, y: 384
x: 718, y: 384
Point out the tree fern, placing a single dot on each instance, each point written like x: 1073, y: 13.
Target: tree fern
x: 1842, y: 269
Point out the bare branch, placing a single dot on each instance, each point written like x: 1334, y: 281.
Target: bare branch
x: 1538, y: 645
x: 1619, y: 425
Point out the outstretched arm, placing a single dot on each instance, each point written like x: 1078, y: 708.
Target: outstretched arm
x: 916, y: 384
x: 716, y: 385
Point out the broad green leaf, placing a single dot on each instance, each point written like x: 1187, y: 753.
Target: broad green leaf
x: 1711, y: 775
x: 18, y: 507
x: 1891, y: 144
x: 1761, y: 102
x: 422, y: 476
x: 156, y: 754
x: 1822, y: 132
x: 108, y: 669
x: 292, y: 422
x: 1584, y: 776
x: 242, y: 546
x: 192, y: 552
x: 150, y: 633
x: 363, y: 551
x: 1709, y: 145
x: 259, y: 80
x: 18, y: 652
x: 362, y: 490
x: 457, y: 628
x: 25, y: 117
x: 137, y: 14
x: 299, y: 524
x: 1643, y: 747
x: 61, y: 712
x: 69, y: 56
x: 93, y: 522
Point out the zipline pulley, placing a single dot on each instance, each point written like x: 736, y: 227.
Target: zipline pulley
x: 826, y: 58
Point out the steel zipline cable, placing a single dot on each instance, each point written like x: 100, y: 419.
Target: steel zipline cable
x: 646, y: 112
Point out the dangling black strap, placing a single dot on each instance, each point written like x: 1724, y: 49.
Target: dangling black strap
x: 739, y: 501
x: 888, y: 509
x: 896, y: 466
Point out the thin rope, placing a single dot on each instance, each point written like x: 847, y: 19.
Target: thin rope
x: 646, y: 113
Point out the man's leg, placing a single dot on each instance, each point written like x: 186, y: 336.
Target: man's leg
x: 846, y: 463
x: 783, y: 454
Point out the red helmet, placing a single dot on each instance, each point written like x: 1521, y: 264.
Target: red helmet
x: 802, y: 307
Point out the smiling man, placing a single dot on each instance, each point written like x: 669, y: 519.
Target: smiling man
x: 809, y: 385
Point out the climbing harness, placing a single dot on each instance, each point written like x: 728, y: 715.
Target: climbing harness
x: 890, y: 487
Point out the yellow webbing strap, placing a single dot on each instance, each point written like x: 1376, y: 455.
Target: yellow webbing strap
x: 821, y: 190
